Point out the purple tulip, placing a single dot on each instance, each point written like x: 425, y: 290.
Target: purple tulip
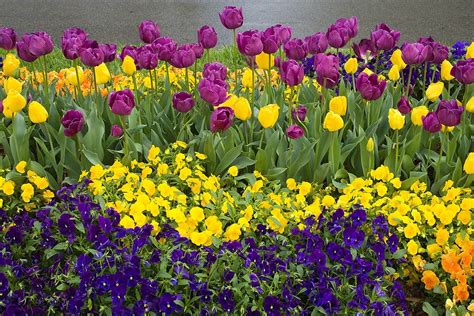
x: 384, y: 38
x: 291, y: 72
x: 250, y: 43
x: 463, y: 71
x: 294, y: 131
x: 165, y: 47
x: 351, y: 24
x: 414, y: 53
x: 271, y: 41
x: 146, y: 57
x: 34, y: 45
x: 72, y: 121
x: 122, y: 102
x: 149, y: 31
x: 296, y: 49
x: 116, y: 131
x: 221, y: 119
x: 72, y: 41
x: 129, y: 51
x: 91, y: 55
x: 440, y: 53
x: 431, y: 123
x: 215, y: 71
x: 284, y: 33
x: 369, y: 86
x: 198, y: 50
x: 7, y: 38
x: 110, y: 51
x: 316, y: 43
x: 365, y: 49
x: 299, y: 114
x: 183, y: 57
x: 403, y: 105
x: 212, y: 91
x: 207, y: 37
x: 326, y: 67
x: 183, y: 102
x: 428, y: 43
x: 449, y: 112
x: 231, y: 17
x: 277, y: 61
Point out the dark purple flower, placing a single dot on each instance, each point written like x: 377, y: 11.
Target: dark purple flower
x: 72, y: 121
x: 72, y: 41
x: 440, y: 53
x: 449, y: 112
x: 122, y: 102
x: 146, y: 57
x: 271, y: 41
x: 379, y: 249
x: 334, y: 251
x: 183, y: 57
x: 296, y: 49
x: 403, y: 105
x: 431, y: 123
x: 299, y: 114
x: 272, y: 305
x: 359, y: 216
x: 207, y: 37
x: 198, y: 50
x: 221, y: 119
x: 91, y: 54
x: 129, y: 51
x: 337, y: 36
x: 292, y: 72
x: 105, y: 224
x: 14, y: 235
x: 34, y: 45
x: 165, y: 47
x: 7, y: 38
x: 250, y: 43
x: 353, y: 237
x: 226, y: 300
x: 384, y: 38
x: 326, y: 67
x: 294, y: 131
x: 283, y: 32
x: 231, y: 17
x: 463, y: 71
x: 369, y: 86
x: 167, y: 304
x: 227, y: 275
x: 116, y: 131
x: 148, y: 31
x: 215, y: 71
x: 212, y: 91
x: 316, y: 43
x: 109, y: 50
x: 351, y: 24
x: 392, y: 243
x: 82, y: 264
x: 3, y: 285
x: 66, y: 225
x: 183, y: 102
x: 414, y: 53
x: 365, y: 49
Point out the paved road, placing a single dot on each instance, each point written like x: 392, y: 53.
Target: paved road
x: 117, y: 20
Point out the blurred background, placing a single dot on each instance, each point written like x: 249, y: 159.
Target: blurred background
x: 117, y: 20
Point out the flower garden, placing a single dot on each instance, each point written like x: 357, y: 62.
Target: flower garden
x: 273, y: 176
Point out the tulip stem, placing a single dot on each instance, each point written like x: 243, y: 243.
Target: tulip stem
x: 438, y: 165
x: 168, y: 75
x: 78, y: 149
x: 396, y: 152
x: 434, y: 73
x: 253, y: 85
x: 261, y: 139
x: 125, y: 142
x: 409, y: 80
x: 45, y: 81
x: 429, y: 151
x: 135, y: 89
x: 235, y: 59
x: 424, y: 77
x: 195, y: 80
x: 78, y: 79
x: 368, y: 113
x: 96, y: 88
x: 186, y: 72
x: 269, y: 72
x: 151, y: 79
x: 156, y: 80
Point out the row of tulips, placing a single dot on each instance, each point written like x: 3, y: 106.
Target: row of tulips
x: 333, y: 123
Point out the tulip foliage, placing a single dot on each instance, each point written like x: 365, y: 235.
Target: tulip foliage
x: 300, y: 108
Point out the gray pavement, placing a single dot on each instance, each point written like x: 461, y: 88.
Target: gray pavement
x: 117, y: 20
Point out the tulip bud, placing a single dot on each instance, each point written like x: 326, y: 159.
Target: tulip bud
x: 394, y: 73
x: 37, y: 113
x: 470, y: 105
x: 299, y: 113
x: 292, y: 73
x: 12, y: 85
x: 333, y: 122
x: 294, y: 132
x: 102, y: 74
x: 403, y: 105
x: 148, y: 31
x: 351, y: 65
x: 221, y: 119
x: 446, y: 70
x: 116, y: 131
x: 268, y: 115
x: 449, y: 112
x: 213, y: 91
x: 207, y: 37
x: 463, y: 71
x: 183, y: 102
x: 264, y: 61
x: 7, y: 38
x: 128, y: 65
x: 122, y: 102
x: 338, y: 105
x: 14, y: 102
x: 434, y: 90
x: 231, y: 17
x: 370, y: 145
x: 72, y: 121
x: 397, y: 59
x: 370, y: 87
x: 469, y: 164
x: 395, y: 119
x: 431, y: 123
x: 242, y: 109
x: 10, y: 64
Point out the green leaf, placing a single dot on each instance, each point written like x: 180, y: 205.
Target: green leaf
x: 399, y: 254
x: 229, y: 157
x: 427, y: 308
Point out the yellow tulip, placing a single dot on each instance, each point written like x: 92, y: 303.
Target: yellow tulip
x: 447, y: 129
x: 71, y: 76
x: 13, y: 103
x: 469, y: 164
x: 446, y: 70
x: 470, y: 51
x: 247, y: 78
x: 268, y: 115
x: 470, y: 105
x: 394, y: 73
x: 338, y: 105
x: 240, y: 105
x: 37, y: 113
x: 12, y: 85
x: 434, y: 90
x: 10, y: 64
x: 370, y: 145
x: 368, y: 71
x: 351, y: 65
x: 417, y: 113
x: 397, y: 59
x: 396, y: 119
x: 333, y: 122
x: 128, y: 65
x: 102, y: 74
x: 264, y: 61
